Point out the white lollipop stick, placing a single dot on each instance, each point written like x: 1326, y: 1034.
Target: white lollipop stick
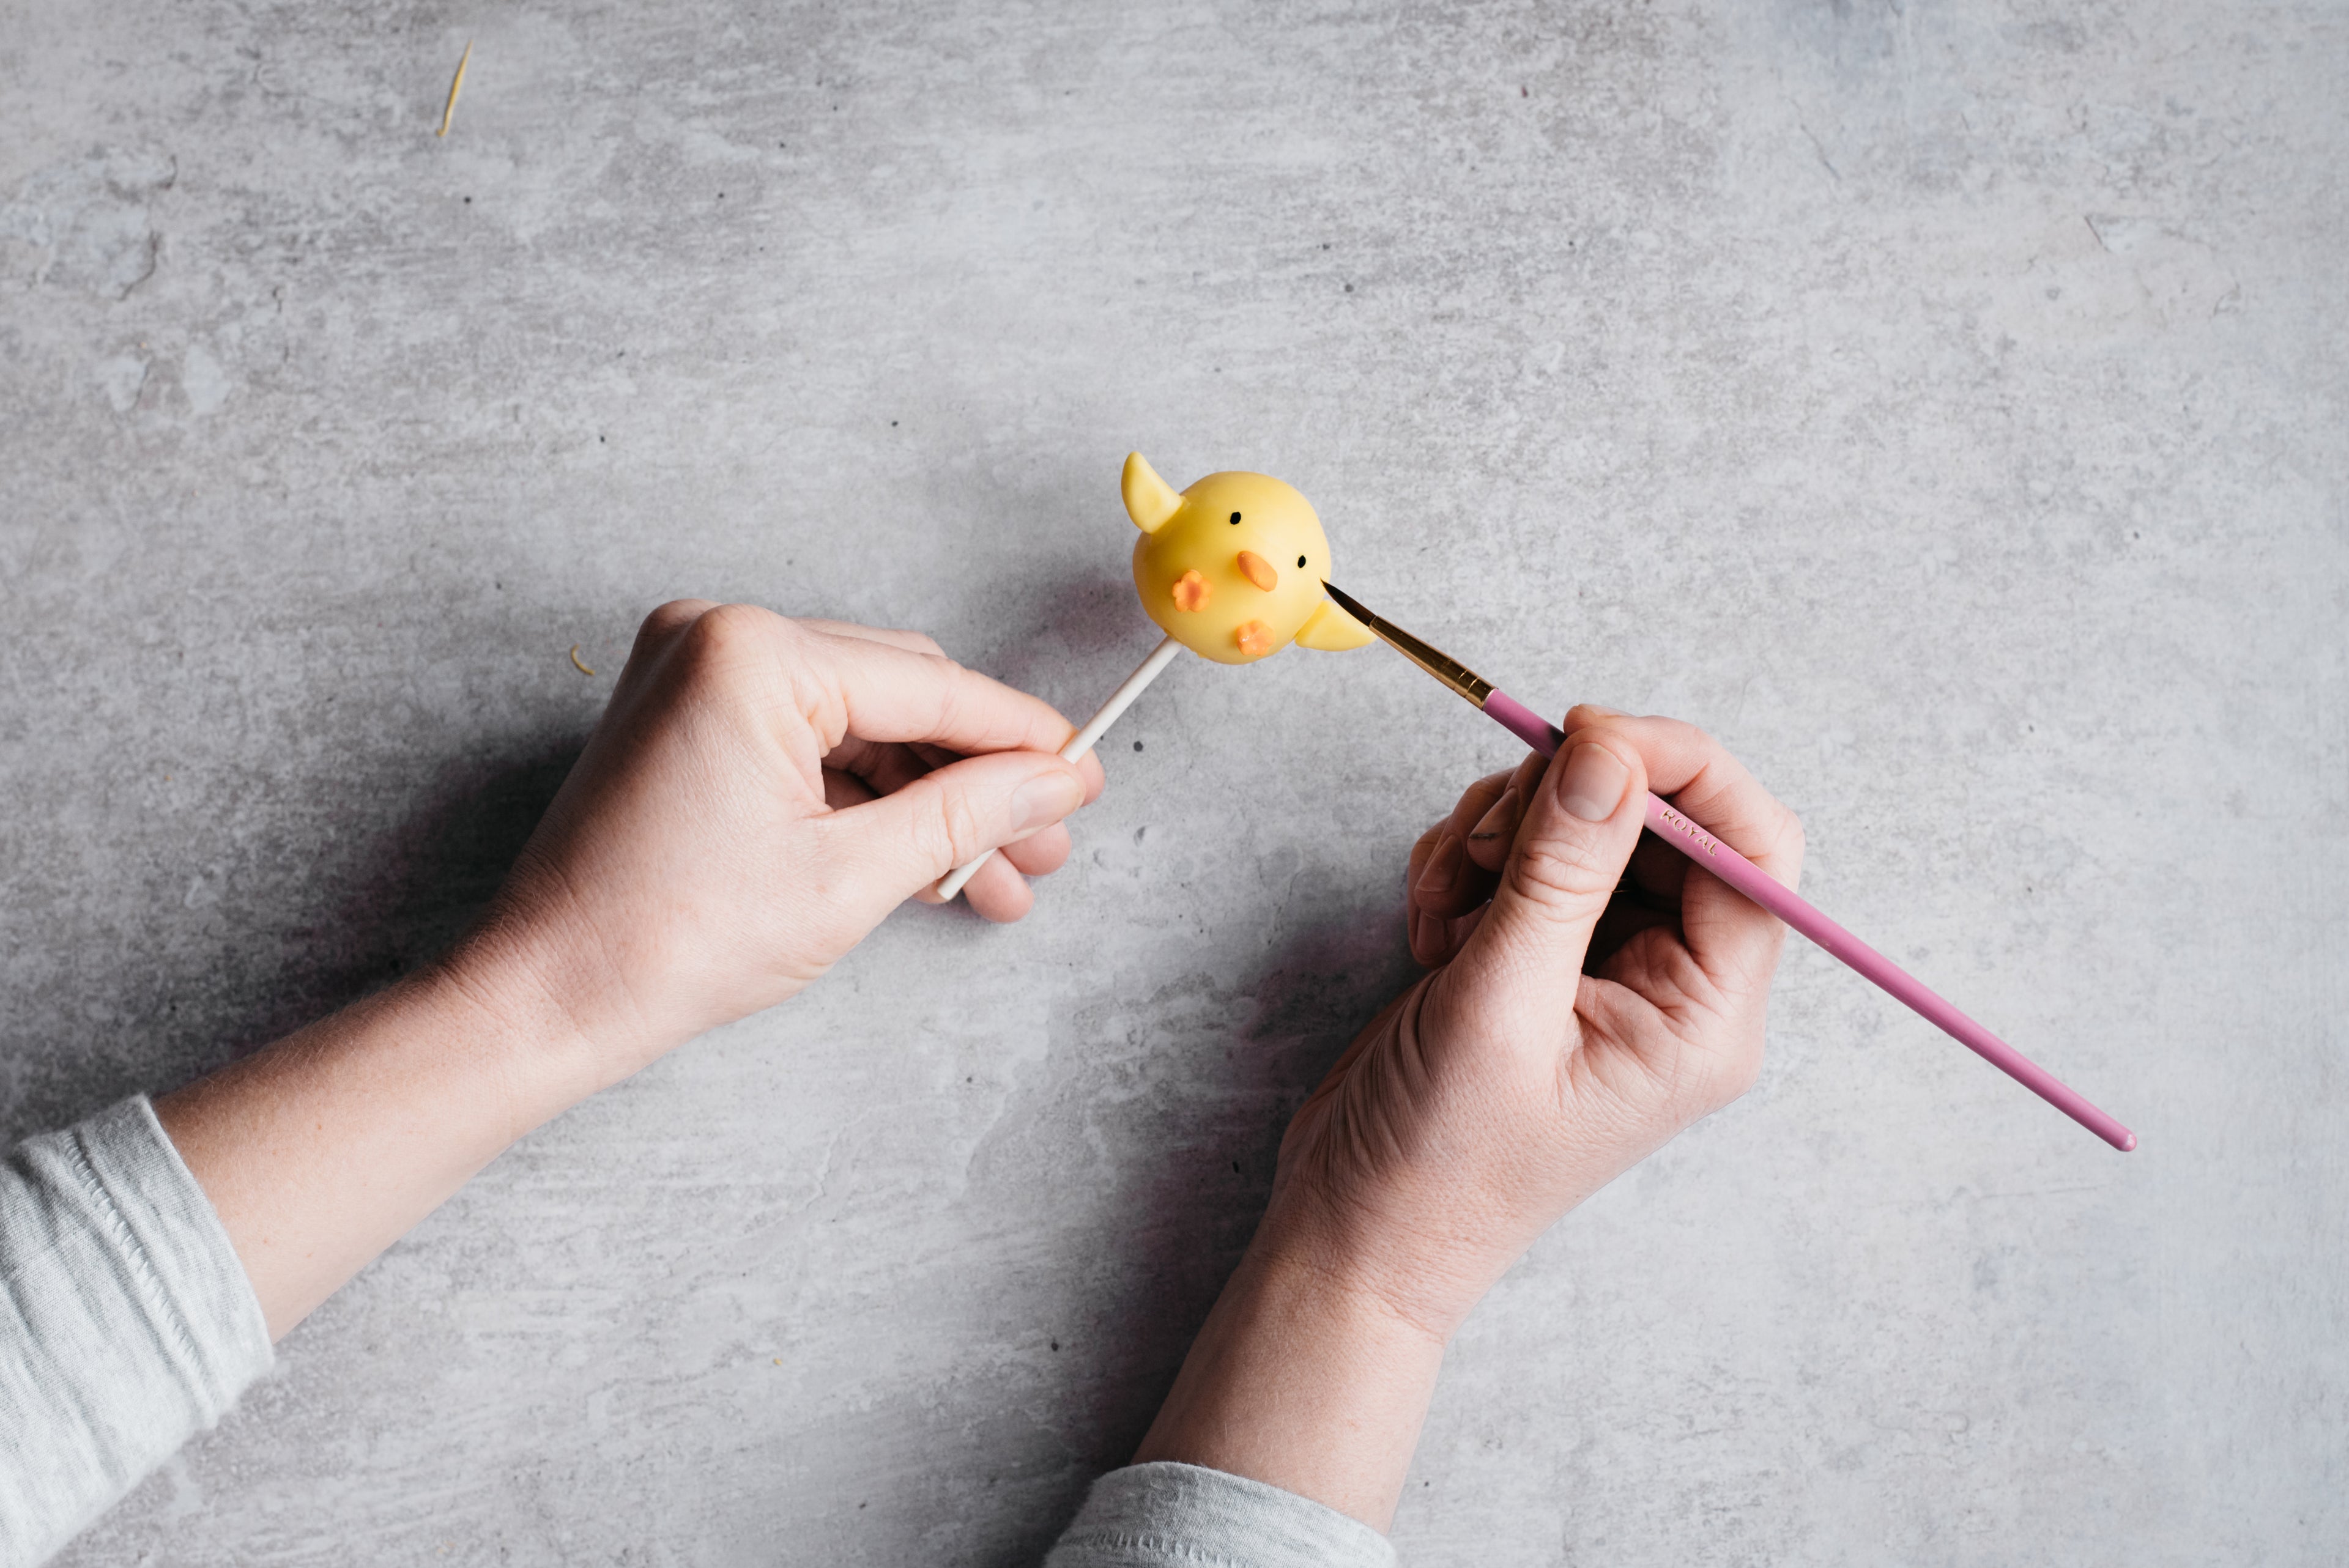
x: 1082, y: 741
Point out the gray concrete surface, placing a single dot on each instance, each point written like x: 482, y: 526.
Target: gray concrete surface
x: 1943, y: 402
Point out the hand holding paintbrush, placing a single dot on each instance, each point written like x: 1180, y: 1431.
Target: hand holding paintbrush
x: 1212, y: 568
x: 1674, y: 828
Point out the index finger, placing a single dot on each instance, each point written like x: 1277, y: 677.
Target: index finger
x: 1727, y: 933
x: 918, y: 641
x: 883, y: 691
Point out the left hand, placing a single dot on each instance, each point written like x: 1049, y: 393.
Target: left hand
x: 760, y: 794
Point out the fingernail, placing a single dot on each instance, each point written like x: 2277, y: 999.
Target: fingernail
x: 1593, y: 786
x: 1602, y: 708
x: 1045, y: 800
x: 1500, y: 822
x: 1442, y: 867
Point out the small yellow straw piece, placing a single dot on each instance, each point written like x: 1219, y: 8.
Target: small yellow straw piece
x: 455, y: 87
x: 582, y: 669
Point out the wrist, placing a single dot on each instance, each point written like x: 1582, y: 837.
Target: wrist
x: 1380, y: 1256
x: 1413, y: 1203
x: 1304, y: 1379
x: 560, y: 1038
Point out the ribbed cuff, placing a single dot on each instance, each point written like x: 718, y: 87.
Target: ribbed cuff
x: 1166, y: 1515
x: 193, y: 1284
x: 127, y: 1323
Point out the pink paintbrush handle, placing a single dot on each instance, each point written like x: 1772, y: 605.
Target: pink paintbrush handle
x: 1757, y: 885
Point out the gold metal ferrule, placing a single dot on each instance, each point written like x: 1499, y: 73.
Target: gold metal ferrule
x: 1467, y: 681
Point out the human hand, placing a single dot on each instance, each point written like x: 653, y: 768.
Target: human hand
x: 759, y: 794
x: 1593, y: 993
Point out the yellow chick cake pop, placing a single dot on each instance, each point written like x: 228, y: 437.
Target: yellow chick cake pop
x: 1231, y: 569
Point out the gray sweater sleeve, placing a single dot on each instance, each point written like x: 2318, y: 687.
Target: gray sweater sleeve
x: 1181, y: 1516
x: 127, y: 1323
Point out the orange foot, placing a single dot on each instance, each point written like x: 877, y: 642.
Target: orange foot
x: 1192, y: 592
x: 1255, y: 639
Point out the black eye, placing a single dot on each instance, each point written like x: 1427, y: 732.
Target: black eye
x: 1301, y: 561
x: 1236, y: 520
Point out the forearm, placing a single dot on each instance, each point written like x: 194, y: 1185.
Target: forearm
x: 1305, y: 1383
x: 322, y: 1150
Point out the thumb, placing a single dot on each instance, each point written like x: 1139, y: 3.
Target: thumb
x: 1570, y: 853
x: 881, y: 852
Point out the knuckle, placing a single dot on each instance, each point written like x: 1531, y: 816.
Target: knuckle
x: 730, y: 627
x: 958, y: 834
x: 676, y: 612
x: 667, y: 620
x: 1790, y: 831
x: 1562, y: 870
x: 723, y: 640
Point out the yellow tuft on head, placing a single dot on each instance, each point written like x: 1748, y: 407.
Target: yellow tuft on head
x: 1149, y: 500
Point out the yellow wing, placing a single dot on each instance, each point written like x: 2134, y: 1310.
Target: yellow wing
x: 1331, y: 630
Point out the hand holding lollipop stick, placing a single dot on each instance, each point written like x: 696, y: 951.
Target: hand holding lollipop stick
x: 1082, y: 741
x: 1230, y: 569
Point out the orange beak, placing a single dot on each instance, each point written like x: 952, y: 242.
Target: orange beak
x: 1259, y: 571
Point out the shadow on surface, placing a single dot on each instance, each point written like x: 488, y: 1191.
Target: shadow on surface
x: 1204, y: 1154
x: 344, y: 916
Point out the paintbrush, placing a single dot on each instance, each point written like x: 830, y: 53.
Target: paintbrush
x: 1675, y: 828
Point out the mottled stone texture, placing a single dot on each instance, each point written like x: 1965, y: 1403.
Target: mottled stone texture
x: 1943, y: 402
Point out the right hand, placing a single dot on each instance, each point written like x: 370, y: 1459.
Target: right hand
x: 758, y: 796
x: 1593, y: 993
